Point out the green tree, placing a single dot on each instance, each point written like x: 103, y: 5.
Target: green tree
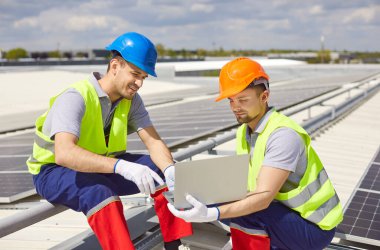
x: 16, y: 53
x: 54, y: 54
x: 201, y: 53
x: 184, y: 53
x: 172, y: 53
x: 81, y: 54
x: 160, y: 50
x: 323, y: 56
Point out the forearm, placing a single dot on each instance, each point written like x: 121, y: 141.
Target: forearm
x: 256, y: 202
x: 269, y: 182
x: 79, y: 159
x: 160, y: 154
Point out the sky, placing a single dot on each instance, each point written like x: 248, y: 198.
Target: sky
x: 67, y: 25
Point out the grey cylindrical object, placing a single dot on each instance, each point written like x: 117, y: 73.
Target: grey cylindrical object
x: 28, y: 217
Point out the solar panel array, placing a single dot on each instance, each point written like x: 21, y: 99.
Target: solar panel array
x: 361, y: 221
x: 176, y: 124
x: 15, y: 186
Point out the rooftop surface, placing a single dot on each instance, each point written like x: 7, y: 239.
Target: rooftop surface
x: 346, y: 147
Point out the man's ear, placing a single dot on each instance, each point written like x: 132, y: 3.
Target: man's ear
x: 114, y: 66
x: 265, y: 96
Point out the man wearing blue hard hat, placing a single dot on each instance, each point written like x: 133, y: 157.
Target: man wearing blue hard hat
x: 79, y: 154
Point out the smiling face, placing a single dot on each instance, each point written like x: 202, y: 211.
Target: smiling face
x: 127, y: 79
x: 249, y: 105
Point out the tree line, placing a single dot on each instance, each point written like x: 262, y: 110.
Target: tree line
x: 167, y: 53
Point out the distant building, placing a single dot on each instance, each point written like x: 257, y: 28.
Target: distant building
x: 99, y: 54
x: 294, y: 56
x: 346, y: 58
x: 302, y: 56
x: 371, y: 60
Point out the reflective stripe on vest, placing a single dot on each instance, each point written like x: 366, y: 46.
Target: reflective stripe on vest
x: 314, y: 198
x: 48, y: 145
x: 92, y: 136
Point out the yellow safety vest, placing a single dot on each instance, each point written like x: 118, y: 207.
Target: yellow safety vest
x: 315, y: 198
x: 92, y: 136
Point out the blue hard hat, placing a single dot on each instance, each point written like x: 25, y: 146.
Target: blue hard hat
x: 136, y: 49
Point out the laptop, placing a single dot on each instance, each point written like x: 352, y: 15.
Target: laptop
x: 211, y: 181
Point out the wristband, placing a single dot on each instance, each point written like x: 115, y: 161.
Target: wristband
x: 114, y: 166
x: 168, y: 167
x: 218, y: 213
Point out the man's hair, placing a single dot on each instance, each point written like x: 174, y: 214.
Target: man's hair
x: 259, y: 85
x: 116, y: 55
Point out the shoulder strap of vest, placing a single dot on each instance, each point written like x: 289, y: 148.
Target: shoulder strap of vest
x: 242, y: 146
x: 278, y: 120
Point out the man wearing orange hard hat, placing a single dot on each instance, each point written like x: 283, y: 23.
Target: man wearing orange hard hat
x: 293, y: 203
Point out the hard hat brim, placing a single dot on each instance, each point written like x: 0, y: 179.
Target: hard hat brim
x: 230, y: 93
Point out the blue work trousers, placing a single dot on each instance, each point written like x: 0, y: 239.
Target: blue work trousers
x: 83, y: 191
x: 286, y: 228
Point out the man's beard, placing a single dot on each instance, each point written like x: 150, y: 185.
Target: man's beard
x: 130, y: 96
x: 245, y: 119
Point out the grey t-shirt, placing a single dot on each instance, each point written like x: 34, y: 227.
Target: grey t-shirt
x: 67, y: 112
x: 285, y: 149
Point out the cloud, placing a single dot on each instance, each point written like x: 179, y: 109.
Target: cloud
x: 68, y: 20
x: 316, y: 9
x: 94, y: 5
x: 199, y: 7
x: 28, y: 22
x: 283, y: 24
x: 83, y: 23
x: 295, y: 24
x: 362, y: 15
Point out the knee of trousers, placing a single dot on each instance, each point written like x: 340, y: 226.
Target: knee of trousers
x: 253, y: 221
x: 95, y: 198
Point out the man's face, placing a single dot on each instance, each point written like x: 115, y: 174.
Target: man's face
x: 248, y: 105
x: 128, y: 80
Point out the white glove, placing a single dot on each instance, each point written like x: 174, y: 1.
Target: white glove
x: 199, y: 212
x: 141, y: 175
x: 169, y: 177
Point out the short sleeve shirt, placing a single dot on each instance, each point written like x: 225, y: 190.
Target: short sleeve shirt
x: 67, y: 111
x: 285, y: 149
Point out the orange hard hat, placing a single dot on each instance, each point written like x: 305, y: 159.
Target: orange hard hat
x: 237, y: 74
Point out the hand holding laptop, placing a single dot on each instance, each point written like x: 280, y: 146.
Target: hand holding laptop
x: 169, y: 177
x: 199, y: 213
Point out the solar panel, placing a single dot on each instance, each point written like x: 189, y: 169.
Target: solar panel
x: 16, y: 140
x: 361, y: 221
x: 377, y: 159
x: 12, y: 163
x: 371, y: 181
x: 14, y: 149
x: 15, y: 186
x: 362, y: 218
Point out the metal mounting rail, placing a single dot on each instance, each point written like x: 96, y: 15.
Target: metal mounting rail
x: 320, y: 101
x: 30, y: 216
x: 318, y: 121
